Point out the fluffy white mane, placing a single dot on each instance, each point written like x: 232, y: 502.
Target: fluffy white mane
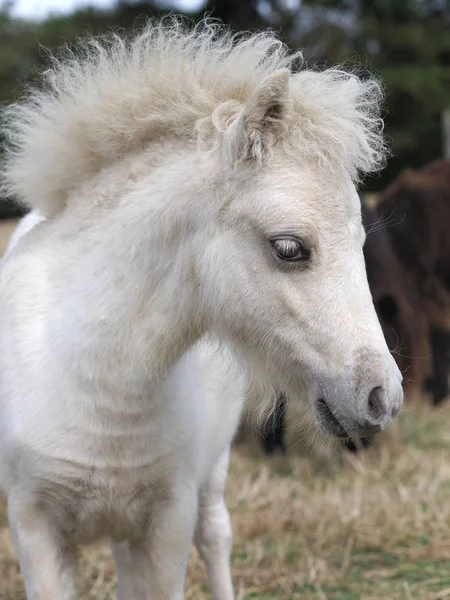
x: 115, y: 95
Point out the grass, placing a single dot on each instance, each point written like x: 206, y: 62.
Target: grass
x: 319, y: 524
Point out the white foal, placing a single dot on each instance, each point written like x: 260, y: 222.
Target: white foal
x: 195, y: 189
x: 202, y: 385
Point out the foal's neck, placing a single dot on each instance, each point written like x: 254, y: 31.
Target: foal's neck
x: 139, y: 296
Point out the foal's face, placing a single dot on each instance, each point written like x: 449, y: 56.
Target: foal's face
x: 290, y: 287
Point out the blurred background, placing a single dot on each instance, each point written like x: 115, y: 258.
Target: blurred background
x: 315, y: 522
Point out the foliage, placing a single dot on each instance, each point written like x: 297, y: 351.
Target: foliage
x: 407, y: 43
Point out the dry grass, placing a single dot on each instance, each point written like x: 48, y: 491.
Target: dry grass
x: 322, y: 525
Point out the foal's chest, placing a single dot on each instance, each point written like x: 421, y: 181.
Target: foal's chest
x: 115, y: 503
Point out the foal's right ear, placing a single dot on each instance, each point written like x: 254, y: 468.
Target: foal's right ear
x: 256, y: 127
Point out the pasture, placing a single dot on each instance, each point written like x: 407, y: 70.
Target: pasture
x: 317, y: 524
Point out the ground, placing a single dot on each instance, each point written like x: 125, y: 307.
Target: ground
x: 318, y: 524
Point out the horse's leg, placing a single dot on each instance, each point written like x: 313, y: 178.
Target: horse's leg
x: 48, y: 565
x: 272, y: 436
x: 155, y: 567
x: 213, y: 536
x: 440, y: 346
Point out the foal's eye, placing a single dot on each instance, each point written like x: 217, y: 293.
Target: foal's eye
x: 290, y: 249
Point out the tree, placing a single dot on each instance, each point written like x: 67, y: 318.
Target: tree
x: 407, y: 43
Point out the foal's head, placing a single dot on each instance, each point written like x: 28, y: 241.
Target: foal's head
x: 254, y: 194
x: 283, y: 272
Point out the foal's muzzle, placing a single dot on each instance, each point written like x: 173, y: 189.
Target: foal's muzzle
x: 374, y: 415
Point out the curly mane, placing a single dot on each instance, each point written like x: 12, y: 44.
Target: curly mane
x: 116, y: 94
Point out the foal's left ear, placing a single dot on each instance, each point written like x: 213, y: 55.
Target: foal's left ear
x: 261, y: 119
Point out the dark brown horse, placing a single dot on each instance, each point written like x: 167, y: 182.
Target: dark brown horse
x: 397, y: 299
x: 420, y: 202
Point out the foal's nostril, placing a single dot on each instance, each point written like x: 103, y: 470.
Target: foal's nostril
x: 376, y: 403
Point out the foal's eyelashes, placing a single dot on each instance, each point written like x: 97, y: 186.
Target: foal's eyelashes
x: 290, y: 249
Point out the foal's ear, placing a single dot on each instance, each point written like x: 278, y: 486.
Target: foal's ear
x: 261, y: 119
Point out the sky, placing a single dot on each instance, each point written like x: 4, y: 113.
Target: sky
x: 39, y: 9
